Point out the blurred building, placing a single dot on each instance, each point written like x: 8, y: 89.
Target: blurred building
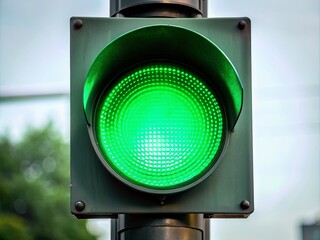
x: 311, y: 231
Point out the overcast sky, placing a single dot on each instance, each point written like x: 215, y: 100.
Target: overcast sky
x: 34, y: 55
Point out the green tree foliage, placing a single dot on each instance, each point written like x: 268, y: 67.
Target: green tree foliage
x: 34, y: 189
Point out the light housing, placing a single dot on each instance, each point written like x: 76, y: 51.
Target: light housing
x: 104, y: 52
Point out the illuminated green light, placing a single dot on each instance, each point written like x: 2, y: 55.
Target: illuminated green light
x: 160, y: 127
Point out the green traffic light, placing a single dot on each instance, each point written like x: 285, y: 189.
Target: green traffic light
x: 160, y: 127
x: 161, y: 117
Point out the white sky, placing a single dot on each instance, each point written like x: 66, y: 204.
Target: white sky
x: 34, y: 52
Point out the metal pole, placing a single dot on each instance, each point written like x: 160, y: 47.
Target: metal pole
x: 160, y: 227
x: 159, y: 8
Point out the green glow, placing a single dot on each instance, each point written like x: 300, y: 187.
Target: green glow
x: 160, y: 127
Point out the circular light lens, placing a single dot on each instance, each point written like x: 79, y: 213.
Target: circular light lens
x: 159, y: 127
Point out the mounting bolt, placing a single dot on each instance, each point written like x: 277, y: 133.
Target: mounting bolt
x: 77, y: 24
x: 242, y: 24
x: 162, y: 200
x: 80, y: 206
x: 245, y: 204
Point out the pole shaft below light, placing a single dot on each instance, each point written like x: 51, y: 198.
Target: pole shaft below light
x: 160, y: 227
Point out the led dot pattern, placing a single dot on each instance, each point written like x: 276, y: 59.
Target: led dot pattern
x: 159, y: 127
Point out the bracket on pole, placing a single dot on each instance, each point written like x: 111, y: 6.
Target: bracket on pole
x: 159, y: 8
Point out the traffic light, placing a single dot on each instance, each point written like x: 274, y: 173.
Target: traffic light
x: 161, y: 116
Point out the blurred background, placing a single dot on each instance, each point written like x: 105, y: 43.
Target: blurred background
x: 34, y: 120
